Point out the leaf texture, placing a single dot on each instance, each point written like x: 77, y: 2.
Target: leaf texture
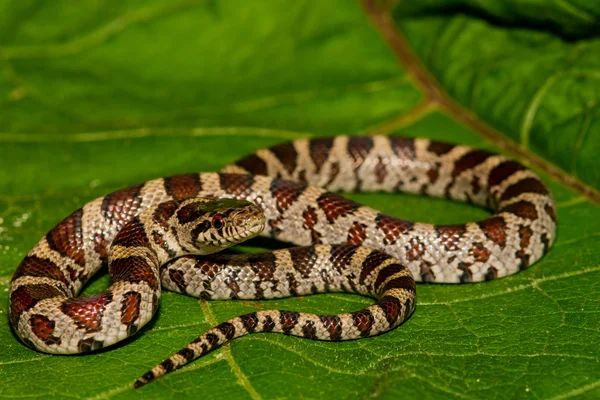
x: 109, y: 94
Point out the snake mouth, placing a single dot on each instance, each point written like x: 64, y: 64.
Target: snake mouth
x: 253, y: 227
x: 242, y: 228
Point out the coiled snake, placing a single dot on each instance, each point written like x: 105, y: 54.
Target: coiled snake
x: 159, y: 232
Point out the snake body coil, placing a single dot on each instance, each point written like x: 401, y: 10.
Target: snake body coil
x: 146, y: 233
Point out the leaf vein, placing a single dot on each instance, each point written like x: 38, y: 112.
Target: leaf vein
x: 226, y: 352
x: 98, y: 36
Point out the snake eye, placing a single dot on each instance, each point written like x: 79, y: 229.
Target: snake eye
x: 217, y: 222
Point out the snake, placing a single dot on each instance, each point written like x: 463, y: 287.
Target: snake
x: 162, y: 233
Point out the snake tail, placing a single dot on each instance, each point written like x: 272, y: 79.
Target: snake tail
x: 348, y: 268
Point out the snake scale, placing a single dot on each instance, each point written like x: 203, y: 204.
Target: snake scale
x: 149, y: 234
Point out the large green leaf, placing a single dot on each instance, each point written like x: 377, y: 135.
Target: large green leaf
x: 108, y: 94
x: 537, y: 87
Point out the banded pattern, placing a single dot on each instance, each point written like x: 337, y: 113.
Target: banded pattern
x: 53, y: 321
x: 291, y: 272
x: 519, y: 232
x: 288, y: 183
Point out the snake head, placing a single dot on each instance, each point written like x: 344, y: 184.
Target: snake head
x: 211, y: 225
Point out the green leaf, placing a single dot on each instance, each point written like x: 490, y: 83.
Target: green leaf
x: 537, y: 87
x: 108, y: 94
x: 572, y: 19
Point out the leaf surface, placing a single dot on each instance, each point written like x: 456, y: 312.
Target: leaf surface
x: 109, y: 94
x: 537, y: 87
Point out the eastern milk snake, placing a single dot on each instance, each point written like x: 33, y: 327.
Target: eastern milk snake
x: 146, y: 233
